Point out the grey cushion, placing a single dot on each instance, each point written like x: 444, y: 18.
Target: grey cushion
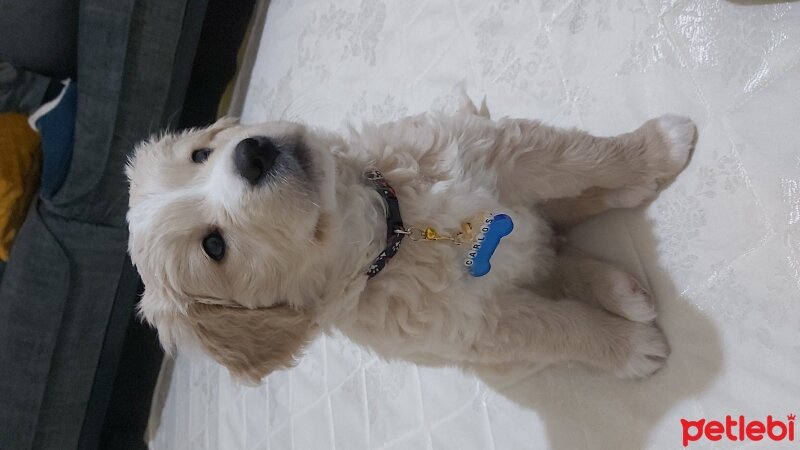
x: 20, y: 90
x: 68, y: 268
x: 40, y: 35
x: 54, y: 312
x: 31, y: 306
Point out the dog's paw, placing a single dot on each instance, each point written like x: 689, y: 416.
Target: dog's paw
x: 629, y: 299
x: 679, y: 135
x: 648, y: 352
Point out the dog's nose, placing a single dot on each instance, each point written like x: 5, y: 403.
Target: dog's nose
x: 254, y: 157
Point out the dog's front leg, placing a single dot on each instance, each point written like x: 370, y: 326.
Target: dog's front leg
x: 522, y: 326
x: 532, y: 163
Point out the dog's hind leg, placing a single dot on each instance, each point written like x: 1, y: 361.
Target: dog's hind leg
x: 522, y: 326
x: 532, y: 163
x: 566, y: 212
x: 583, y: 278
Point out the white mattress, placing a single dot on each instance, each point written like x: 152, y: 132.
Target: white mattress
x: 720, y: 248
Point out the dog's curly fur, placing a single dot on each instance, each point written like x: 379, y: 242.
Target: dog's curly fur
x: 298, y: 246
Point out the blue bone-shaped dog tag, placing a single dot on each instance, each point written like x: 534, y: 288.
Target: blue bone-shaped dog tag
x: 495, y: 229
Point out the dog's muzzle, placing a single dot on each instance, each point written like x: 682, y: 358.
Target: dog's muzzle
x: 254, y: 158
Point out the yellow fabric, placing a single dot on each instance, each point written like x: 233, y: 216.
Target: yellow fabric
x: 19, y: 175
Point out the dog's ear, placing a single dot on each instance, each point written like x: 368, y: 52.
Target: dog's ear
x: 251, y: 343
x: 223, y: 122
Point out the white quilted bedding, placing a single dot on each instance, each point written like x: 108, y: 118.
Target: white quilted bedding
x: 720, y: 248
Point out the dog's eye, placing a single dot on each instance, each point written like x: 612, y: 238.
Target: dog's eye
x: 214, y: 246
x: 201, y: 155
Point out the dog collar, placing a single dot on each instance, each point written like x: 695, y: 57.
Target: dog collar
x: 395, y: 231
x: 482, y: 233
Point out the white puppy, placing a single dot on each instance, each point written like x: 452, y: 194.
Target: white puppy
x: 251, y: 239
